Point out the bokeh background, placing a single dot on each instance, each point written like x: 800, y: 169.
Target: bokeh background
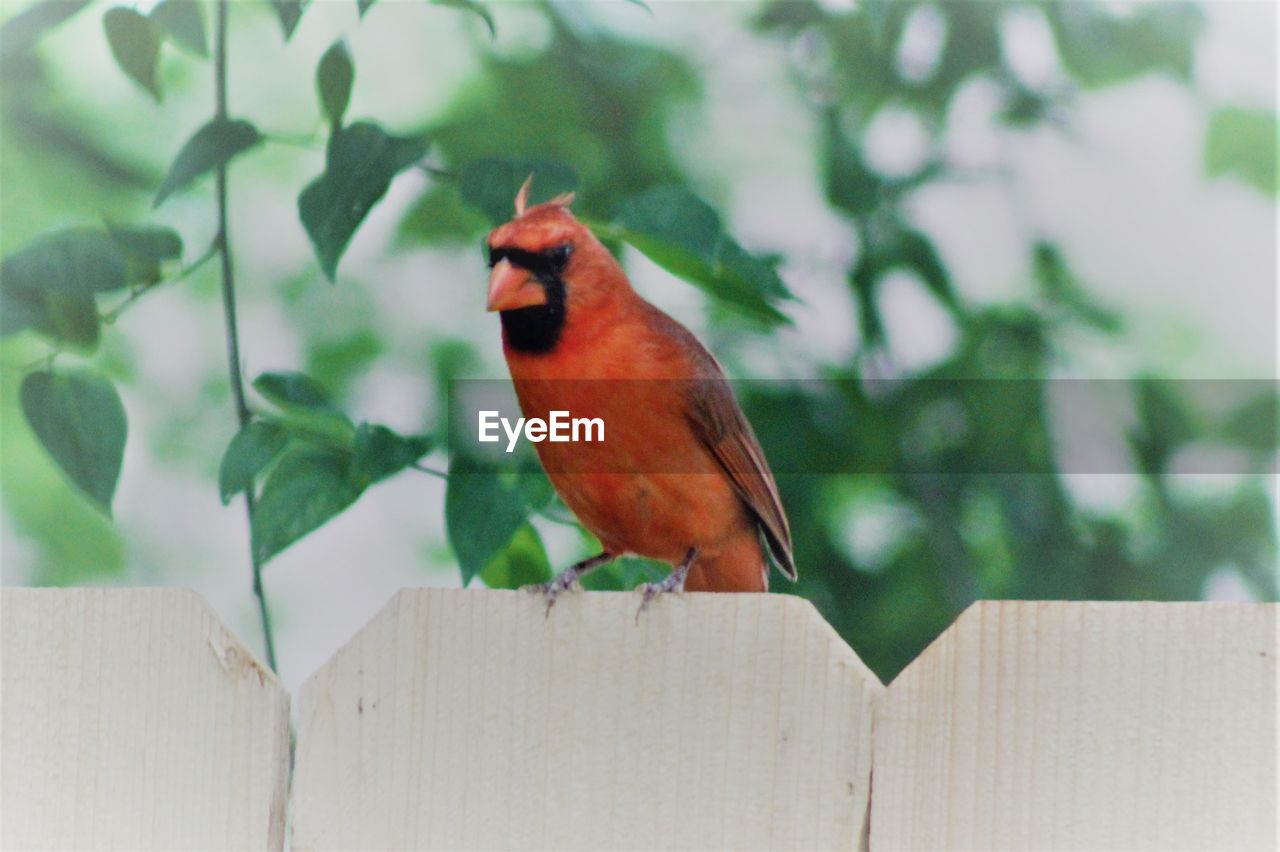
x: 976, y: 206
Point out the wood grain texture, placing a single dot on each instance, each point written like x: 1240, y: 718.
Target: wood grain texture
x: 467, y: 720
x: 1082, y: 726
x: 132, y: 719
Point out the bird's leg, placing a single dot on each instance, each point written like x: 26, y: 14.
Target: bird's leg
x: 674, y: 582
x: 568, y: 578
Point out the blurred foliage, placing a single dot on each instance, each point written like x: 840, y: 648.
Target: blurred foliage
x: 589, y: 99
x: 953, y: 471
x: 982, y: 508
x: 1243, y: 142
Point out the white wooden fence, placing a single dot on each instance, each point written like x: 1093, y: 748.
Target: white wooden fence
x: 132, y: 719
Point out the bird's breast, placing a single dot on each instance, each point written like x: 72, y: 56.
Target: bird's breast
x: 624, y: 426
x: 649, y: 487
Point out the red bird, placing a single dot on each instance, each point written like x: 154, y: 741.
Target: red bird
x: 679, y: 476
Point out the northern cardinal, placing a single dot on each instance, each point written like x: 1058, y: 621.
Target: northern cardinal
x: 680, y: 476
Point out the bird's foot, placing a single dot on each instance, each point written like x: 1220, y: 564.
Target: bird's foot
x: 673, y: 582
x: 562, y: 582
x: 566, y: 580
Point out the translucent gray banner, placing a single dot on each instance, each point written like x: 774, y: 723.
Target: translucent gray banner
x: 935, y: 426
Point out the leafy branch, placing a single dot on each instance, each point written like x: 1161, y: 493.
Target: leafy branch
x: 313, y: 461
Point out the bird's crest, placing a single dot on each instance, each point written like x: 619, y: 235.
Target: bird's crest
x: 564, y: 199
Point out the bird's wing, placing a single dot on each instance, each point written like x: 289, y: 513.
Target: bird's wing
x: 722, y: 428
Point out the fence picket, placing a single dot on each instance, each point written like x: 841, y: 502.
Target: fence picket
x: 132, y: 719
x: 469, y: 720
x: 1082, y: 726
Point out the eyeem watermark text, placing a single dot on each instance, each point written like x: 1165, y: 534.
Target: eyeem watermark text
x: 561, y: 428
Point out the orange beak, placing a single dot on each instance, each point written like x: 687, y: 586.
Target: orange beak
x: 511, y: 287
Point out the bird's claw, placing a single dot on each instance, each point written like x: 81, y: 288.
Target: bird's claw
x: 567, y: 579
x: 673, y: 583
x: 563, y: 582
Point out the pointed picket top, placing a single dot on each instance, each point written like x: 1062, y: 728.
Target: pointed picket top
x: 470, y: 719
x: 134, y: 719
x: 1037, y: 725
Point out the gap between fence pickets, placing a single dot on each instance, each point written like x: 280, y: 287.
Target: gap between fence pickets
x: 864, y: 841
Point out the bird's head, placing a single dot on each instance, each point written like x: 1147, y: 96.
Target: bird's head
x: 545, y: 264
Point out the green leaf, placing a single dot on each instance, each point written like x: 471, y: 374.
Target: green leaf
x: 897, y: 246
x: 1243, y: 143
x: 135, y: 45
x: 440, y: 215
x: 1165, y: 423
x: 362, y: 6
x: 84, y: 260
x: 212, y: 145
x: 72, y: 317
x: 50, y: 284
x: 250, y: 452
x: 851, y: 184
x: 293, y: 390
x: 183, y: 22
x: 146, y: 248
x: 918, y: 254
x: 491, y: 183
x: 683, y: 234
x: 1256, y: 424
x: 308, y: 411
x: 334, y: 76
x: 672, y: 217
x: 473, y: 7
x: 20, y: 308
x: 69, y: 317
x: 290, y: 13
x: 522, y: 562
x: 307, y: 487
x: 362, y: 159
x: 482, y: 511
x: 381, y: 452
x: 1099, y: 47
x: 1061, y: 287
x: 625, y: 574
x: 534, y: 486
x: 80, y: 421
x: 148, y: 242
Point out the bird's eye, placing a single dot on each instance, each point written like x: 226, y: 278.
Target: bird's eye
x: 559, y: 255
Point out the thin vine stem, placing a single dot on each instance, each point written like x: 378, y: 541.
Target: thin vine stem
x: 223, y: 241
x: 439, y: 474
x: 308, y: 143
x: 111, y: 316
x: 436, y: 172
x: 557, y: 518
